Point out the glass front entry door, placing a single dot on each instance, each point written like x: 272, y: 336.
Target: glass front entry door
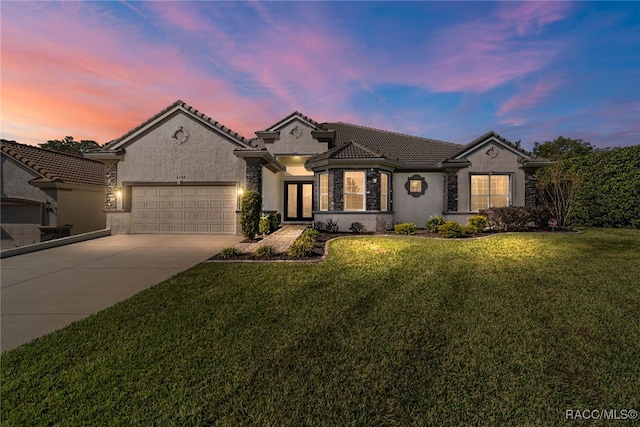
x: 298, y: 198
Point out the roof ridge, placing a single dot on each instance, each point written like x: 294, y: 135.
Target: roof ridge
x: 295, y: 112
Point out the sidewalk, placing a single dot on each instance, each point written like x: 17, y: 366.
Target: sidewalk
x: 281, y: 240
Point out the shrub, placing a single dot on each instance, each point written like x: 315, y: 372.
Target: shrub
x: 332, y: 225
x: 468, y: 230
x: 434, y: 222
x: 507, y: 218
x: 310, y: 232
x: 540, y: 216
x: 265, y: 225
x: 250, y: 207
x: 227, y: 253
x: 319, y: 225
x: 405, y: 228
x: 608, y: 189
x: 278, y: 216
x: 266, y: 251
x: 302, y: 247
x: 382, y: 225
x: 476, y: 223
x: 357, y: 227
x: 450, y: 230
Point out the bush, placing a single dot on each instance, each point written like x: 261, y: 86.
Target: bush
x: 468, y: 230
x: 357, y: 227
x: 332, y: 225
x: 278, y: 216
x: 302, y: 247
x: 434, y: 222
x: 310, y: 232
x: 608, y: 189
x: 405, y: 228
x: 507, y: 218
x: 476, y: 223
x: 382, y: 225
x: 450, y: 230
x: 268, y: 224
x: 227, y: 253
x: 266, y: 251
x: 250, y: 208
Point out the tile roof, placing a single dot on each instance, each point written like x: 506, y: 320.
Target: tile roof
x: 56, y: 166
x: 188, y: 108
x: 405, y: 148
x: 499, y: 138
x: 295, y: 113
x: 350, y: 150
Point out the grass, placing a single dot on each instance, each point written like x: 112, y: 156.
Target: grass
x: 509, y: 330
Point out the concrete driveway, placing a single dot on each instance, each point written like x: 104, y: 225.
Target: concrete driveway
x: 46, y: 290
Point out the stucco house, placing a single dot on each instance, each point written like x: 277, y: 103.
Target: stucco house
x: 183, y: 172
x: 47, y: 194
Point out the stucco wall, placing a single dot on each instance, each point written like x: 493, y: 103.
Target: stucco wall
x: 491, y: 158
x: 290, y: 144
x: 205, y: 156
x: 272, y: 187
x: 82, y: 209
x: 408, y: 208
x: 344, y: 219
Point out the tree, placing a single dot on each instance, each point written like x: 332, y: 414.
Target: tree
x: 557, y: 186
x: 562, y: 148
x: 250, y: 207
x: 69, y: 145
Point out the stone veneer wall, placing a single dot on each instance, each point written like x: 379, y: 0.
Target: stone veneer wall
x: 372, y: 190
x: 451, y: 185
x: 530, y: 193
x: 111, y: 183
x: 336, y: 189
x: 254, y: 175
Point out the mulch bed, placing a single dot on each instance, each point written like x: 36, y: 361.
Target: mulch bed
x: 323, y: 238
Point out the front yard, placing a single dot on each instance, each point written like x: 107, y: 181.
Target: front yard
x: 511, y: 329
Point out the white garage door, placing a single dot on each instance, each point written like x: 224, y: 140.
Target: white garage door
x: 182, y: 209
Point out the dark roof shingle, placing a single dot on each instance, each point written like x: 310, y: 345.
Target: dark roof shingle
x: 56, y: 166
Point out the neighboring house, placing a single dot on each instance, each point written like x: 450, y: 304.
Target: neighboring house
x: 48, y: 194
x: 183, y: 172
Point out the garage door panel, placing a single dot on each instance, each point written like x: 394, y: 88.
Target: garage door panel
x: 184, y: 209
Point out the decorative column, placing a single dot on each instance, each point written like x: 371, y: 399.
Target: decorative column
x: 111, y: 182
x: 254, y: 175
x: 530, y: 193
x: 451, y: 191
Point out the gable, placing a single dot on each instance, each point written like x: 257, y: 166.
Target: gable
x: 293, y: 136
x: 178, y: 108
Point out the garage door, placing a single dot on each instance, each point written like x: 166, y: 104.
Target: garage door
x: 189, y: 210
x: 20, y: 224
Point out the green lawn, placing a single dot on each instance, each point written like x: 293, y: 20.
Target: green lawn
x: 508, y: 330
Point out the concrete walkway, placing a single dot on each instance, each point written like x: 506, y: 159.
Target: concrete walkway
x: 281, y: 240
x: 46, y: 290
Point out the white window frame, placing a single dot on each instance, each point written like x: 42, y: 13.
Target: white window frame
x: 490, y: 193
x: 363, y: 191
x: 325, y: 176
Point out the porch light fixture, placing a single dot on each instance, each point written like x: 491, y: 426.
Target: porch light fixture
x: 47, y: 206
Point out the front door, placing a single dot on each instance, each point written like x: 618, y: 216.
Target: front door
x: 298, y: 201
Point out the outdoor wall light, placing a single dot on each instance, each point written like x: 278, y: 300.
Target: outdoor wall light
x: 47, y: 206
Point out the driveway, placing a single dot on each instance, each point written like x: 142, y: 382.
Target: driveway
x: 46, y: 290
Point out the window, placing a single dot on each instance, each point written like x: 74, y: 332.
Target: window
x: 324, y: 191
x: 489, y: 191
x: 384, y: 192
x: 415, y: 185
x: 354, y: 194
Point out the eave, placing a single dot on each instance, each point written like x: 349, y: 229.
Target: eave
x: 345, y: 163
x: 328, y: 136
x: 266, y: 159
x: 267, y: 137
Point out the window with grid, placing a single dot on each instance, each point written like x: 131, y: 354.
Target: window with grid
x: 354, y: 191
x: 384, y: 192
x: 324, y: 192
x: 488, y: 191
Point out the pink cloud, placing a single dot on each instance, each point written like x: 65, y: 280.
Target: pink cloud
x: 528, y: 98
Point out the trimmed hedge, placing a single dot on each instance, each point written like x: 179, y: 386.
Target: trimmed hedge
x: 250, y: 208
x: 608, y: 190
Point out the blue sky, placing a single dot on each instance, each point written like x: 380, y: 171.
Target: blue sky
x: 452, y: 71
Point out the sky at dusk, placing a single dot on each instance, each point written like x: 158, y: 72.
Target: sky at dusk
x: 452, y: 71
